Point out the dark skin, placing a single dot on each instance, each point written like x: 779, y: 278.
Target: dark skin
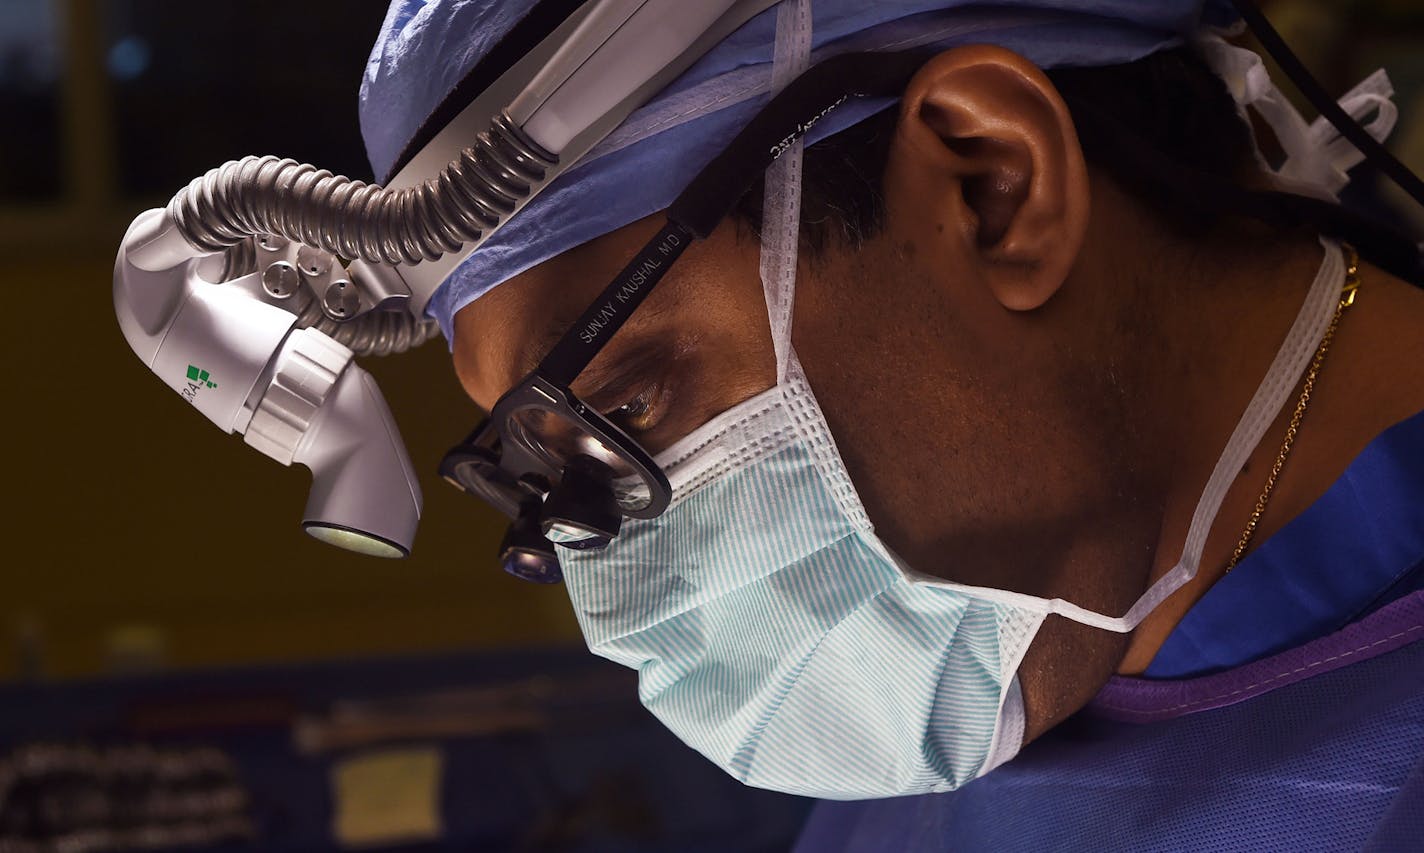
x: 1028, y: 375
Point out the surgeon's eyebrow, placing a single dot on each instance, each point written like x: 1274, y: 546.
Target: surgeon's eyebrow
x: 542, y: 341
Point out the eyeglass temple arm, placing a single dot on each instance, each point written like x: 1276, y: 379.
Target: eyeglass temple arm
x: 607, y: 314
x: 787, y: 117
x: 714, y: 192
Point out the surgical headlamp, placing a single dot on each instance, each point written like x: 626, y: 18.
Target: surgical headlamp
x: 253, y: 291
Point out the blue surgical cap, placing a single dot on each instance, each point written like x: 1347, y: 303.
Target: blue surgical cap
x: 426, y: 47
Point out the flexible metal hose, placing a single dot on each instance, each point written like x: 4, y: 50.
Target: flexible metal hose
x: 375, y: 333
x: 353, y: 219
x: 266, y: 195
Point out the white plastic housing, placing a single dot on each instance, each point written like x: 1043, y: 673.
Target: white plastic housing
x: 208, y: 342
x: 519, y: 94
x: 295, y: 394
x: 362, y: 479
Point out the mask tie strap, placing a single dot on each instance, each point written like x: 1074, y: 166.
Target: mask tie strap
x: 781, y: 205
x: 1271, y: 395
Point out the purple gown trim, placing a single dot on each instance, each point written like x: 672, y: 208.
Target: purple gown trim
x: 1143, y: 700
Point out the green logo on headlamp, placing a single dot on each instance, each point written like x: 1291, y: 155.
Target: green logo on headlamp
x: 200, y: 376
x: 198, y: 379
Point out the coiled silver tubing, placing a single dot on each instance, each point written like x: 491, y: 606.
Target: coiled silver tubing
x: 375, y: 333
x: 353, y: 219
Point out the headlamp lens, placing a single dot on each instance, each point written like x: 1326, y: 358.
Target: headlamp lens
x: 354, y: 540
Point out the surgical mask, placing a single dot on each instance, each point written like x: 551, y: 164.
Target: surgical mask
x: 776, y: 634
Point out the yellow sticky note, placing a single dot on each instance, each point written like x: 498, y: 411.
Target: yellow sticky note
x: 387, y: 796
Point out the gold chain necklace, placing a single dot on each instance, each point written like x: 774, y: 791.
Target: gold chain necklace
x: 1347, y: 298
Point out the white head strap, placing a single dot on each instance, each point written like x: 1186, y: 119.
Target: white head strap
x: 781, y: 205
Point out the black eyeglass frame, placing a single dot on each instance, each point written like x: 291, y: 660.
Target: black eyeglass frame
x: 524, y: 471
x: 506, y: 471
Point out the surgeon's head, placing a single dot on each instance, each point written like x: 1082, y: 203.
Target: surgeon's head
x: 1030, y: 312
x: 1000, y: 326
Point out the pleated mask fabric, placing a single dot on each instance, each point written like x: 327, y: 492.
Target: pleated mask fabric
x: 774, y: 633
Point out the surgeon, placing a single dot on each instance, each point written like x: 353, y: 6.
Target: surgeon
x: 1045, y: 444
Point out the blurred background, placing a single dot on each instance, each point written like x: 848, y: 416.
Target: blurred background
x: 167, y: 630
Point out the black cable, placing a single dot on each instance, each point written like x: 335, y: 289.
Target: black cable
x: 787, y: 117
x: 1348, y: 127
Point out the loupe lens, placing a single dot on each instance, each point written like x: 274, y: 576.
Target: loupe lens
x: 525, y: 553
x: 558, y: 440
x: 632, y: 493
x: 477, y: 471
x: 575, y: 537
x: 532, y: 566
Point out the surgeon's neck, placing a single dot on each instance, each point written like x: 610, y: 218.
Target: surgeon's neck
x: 1372, y: 377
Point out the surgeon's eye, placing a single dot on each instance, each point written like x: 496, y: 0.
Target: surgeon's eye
x: 639, y: 414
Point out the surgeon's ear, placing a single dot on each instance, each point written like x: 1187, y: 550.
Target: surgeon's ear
x: 986, y: 166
